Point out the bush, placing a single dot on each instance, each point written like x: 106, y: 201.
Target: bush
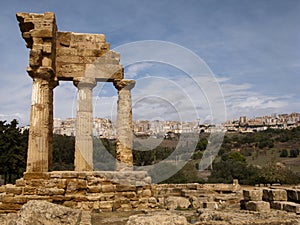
x: 294, y: 153
x: 284, y: 153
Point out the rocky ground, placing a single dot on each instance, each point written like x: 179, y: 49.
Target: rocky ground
x: 45, y: 213
x: 203, y: 216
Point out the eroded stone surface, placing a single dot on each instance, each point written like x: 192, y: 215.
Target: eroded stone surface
x: 124, y: 125
x: 42, y: 212
x: 157, y: 218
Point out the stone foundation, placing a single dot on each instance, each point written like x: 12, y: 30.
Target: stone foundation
x: 105, y: 190
x: 108, y: 191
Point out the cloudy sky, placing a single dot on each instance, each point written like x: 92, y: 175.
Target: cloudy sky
x: 243, y: 55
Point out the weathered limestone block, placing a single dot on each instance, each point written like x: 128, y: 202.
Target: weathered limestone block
x: 58, y: 198
x: 20, y: 182
x: 277, y: 205
x: 39, y: 197
x: 106, y: 206
x: 12, y: 189
x: 10, y: 207
x: 291, y: 207
x: 146, y: 193
x: 173, y: 203
x: 259, y: 206
x: 108, y: 188
x: 107, y: 196
x: 134, y: 204
x: 42, y: 212
x: 130, y: 195
x: 95, y: 181
x: 76, y: 197
x: 210, y: 205
x: 152, y: 200
x: 2, y: 189
x: 29, y: 190
x: 293, y: 195
x: 64, y: 174
x: 90, y: 52
x: 287, y: 206
x: 57, y: 183
x: 189, y: 193
x: 36, y: 175
x: 152, y: 203
x: 94, y: 189
x: 253, y: 195
x: 36, y: 183
x: 21, y: 199
x: 93, y: 197
x: 50, y: 191
x: 274, y: 195
x: 121, y: 188
x: 68, y: 70
x: 70, y: 204
x: 126, y: 207
x: 76, y: 186
x: 124, y: 201
x: 85, y: 205
x: 157, y: 218
x: 147, y: 180
x: 195, y: 202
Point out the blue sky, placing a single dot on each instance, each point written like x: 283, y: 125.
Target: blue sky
x: 251, y: 47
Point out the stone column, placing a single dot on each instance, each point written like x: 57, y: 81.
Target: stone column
x: 41, y: 124
x: 84, y: 124
x: 124, y: 125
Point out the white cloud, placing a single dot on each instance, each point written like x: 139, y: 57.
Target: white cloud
x: 133, y: 70
x: 22, y: 118
x: 242, y: 100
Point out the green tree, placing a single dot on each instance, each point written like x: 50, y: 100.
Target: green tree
x: 13, y: 151
x: 202, y: 144
x: 274, y: 173
x: 63, y: 152
x: 233, y: 166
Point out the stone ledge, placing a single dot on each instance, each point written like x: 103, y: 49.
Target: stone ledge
x: 275, y: 195
x: 286, y: 206
x: 259, y: 206
x: 133, y: 178
x: 253, y: 195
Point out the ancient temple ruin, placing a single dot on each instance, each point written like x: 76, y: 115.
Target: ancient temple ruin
x: 84, y: 59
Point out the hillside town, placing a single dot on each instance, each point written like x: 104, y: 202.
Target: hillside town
x: 105, y: 128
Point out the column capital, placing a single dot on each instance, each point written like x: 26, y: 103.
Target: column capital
x: 82, y: 82
x: 124, y: 84
x: 45, y: 73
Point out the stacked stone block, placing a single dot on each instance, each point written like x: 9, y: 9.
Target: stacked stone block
x: 264, y: 199
x: 109, y: 191
x: 195, y: 196
x: 253, y: 201
x: 86, y: 55
x: 104, y: 191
